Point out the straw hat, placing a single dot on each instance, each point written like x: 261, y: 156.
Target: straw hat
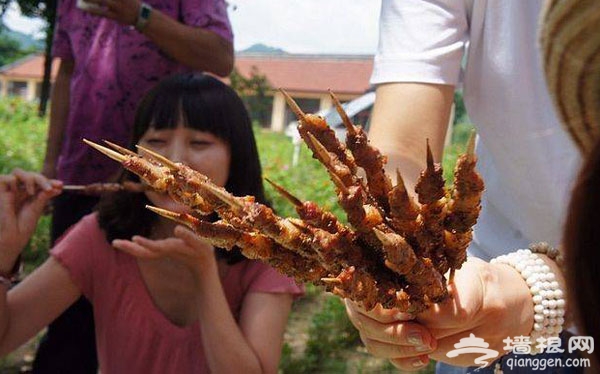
x: 570, y: 41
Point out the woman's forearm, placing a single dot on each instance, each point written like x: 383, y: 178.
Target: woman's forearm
x: 3, y: 316
x: 405, y: 115
x: 221, y: 334
x: 34, y: 303
x: 192, y: 46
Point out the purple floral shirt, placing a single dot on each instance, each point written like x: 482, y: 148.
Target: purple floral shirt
x: 114, y: 67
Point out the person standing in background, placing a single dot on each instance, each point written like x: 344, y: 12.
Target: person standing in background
x: 111, y: 52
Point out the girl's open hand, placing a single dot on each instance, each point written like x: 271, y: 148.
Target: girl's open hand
x: 23, y: 196
x: 185, y: 247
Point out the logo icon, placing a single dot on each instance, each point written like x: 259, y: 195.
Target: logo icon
x: 473, y: 344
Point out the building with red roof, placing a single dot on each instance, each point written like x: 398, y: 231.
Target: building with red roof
x: 307, y: 78
x: 24, y: 77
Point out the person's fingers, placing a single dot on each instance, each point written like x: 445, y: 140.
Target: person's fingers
x: 399, y: 333
x: 7, y: 200
x: 40, y: 201
x: 56, y: 183
x: 387, y: 350
x: 42, y: 182
x: 14, y: 185
x: 26, y: 179
x: 191, y: 239
x: 6, y: 182
x: 411, y: 364
x: 112, y: 5
x: 101, y: 12
x: 165, y: 247
x: 379, y: 313
x: 135, y: 249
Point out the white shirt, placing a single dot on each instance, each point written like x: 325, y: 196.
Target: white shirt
x: 527, y: 160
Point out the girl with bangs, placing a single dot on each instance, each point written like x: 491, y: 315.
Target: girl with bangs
x: 165, y: 301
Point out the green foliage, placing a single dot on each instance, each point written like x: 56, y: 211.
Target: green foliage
x: 254, y: 91
x: 330, y: 335
x: 460, y: 136
x: 23, y: 139
x: 460, y: 111
x: 308, y: 180
x: 22, y: 145
x: 10, y: 48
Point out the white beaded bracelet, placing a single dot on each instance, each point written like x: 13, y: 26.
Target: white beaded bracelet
x: 548, y: 298
x: 552, y: 253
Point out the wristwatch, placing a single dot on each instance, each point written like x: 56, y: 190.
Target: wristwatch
x: 143, y: 16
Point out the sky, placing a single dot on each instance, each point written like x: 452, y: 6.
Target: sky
x: 296, y: 26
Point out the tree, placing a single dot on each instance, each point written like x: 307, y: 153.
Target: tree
x: 10, y: 50
x: 254, y: 91
x: 45, y: 9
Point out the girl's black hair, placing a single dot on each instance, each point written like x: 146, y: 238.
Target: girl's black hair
x: 200, y: 102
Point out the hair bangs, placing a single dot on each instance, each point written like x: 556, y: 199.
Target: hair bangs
x: 205, y: 111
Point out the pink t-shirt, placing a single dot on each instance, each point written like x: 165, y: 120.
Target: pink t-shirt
x: 115, y: 65
x: 132, y: 334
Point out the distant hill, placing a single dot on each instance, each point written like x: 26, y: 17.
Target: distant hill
x: 264, y: 49
x: 26, y: 41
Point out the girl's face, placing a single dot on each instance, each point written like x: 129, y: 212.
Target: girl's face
x: 202, y: 151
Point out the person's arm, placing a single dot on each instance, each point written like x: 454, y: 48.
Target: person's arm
x: 257, y: 339
x: 34, y: 303
x: 192, y: 46
x: 59, y: 113
x: 43, y: 295
x: 263, y: 320
x: 405, y: 115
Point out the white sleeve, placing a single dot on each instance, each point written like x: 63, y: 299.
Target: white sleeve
x: 421, y: 41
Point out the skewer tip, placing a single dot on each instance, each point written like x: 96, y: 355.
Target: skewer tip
x: 223, y: 196
x: 292, y: 104
x: 382, y: 237
x: 322, y: 154
x: 471, y: 145
x: 339, y: 184
x: 320, y: 151
x: 158, y: 157
x: 400, y: 180
x: 73, y: 187
x: 164, y: 213
x: 298, y: 223
x: 429, y: 156
x: 108, y: 152
x: 119, y: 148
x: 183, y: 218
x: 283, y: 192
x: 331, y: 280
x: 350, y: 128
